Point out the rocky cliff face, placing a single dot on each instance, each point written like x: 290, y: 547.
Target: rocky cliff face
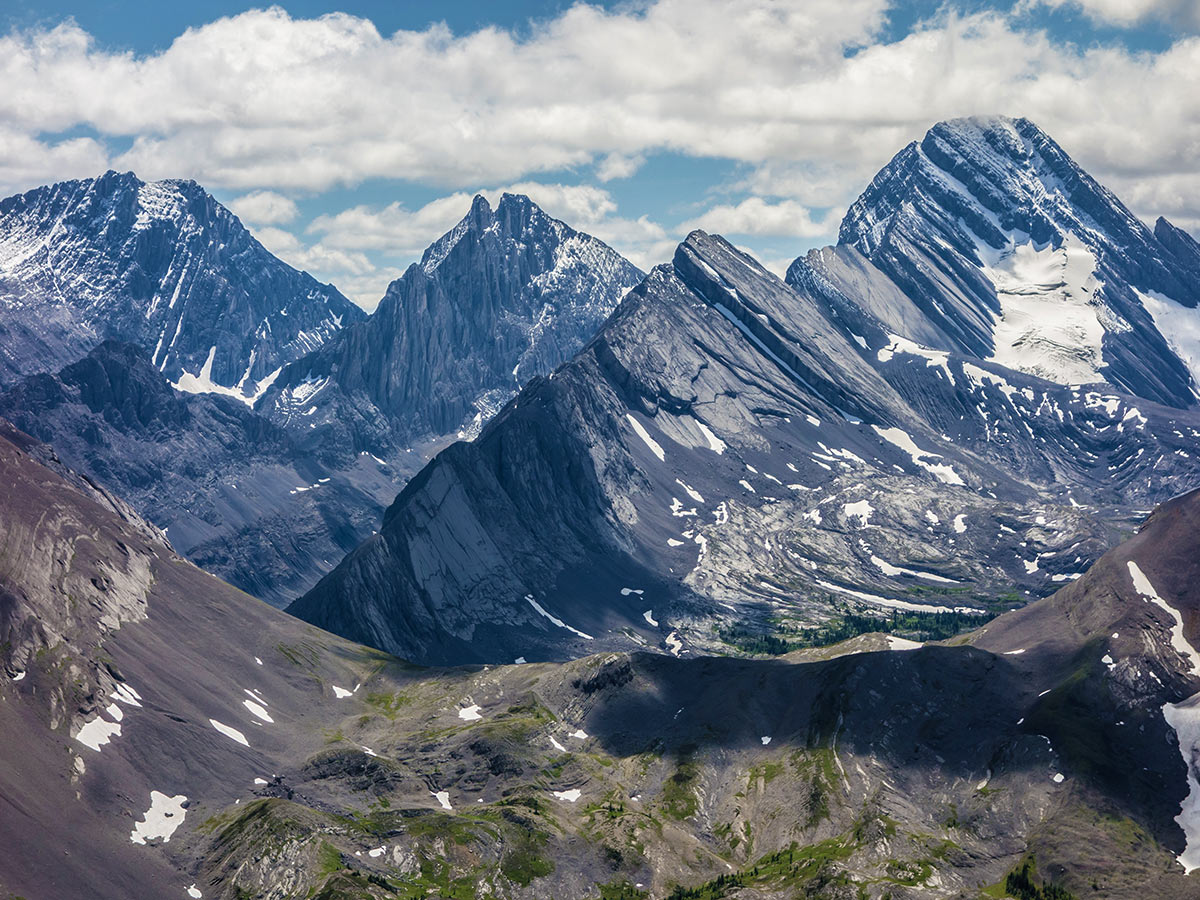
x: 161, y: 265
x: 507, y: 295
x: 236, y: 493
x: 168, y: 736
x: 725, y: 452
x: 1013, y: 253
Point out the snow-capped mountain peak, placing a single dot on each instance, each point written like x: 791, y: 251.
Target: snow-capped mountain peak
x: 163, y: 265
x: 1016, y: 254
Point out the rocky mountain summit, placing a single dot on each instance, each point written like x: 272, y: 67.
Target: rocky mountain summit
x: 506, y: 295
x: 169, y: 736
x: 157, y: 264
x: 1008, y: 251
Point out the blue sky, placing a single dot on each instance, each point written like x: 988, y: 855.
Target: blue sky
x: 349, y: 142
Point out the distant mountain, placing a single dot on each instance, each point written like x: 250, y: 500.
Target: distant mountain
x: 159, y: 264
x: 271, y: 500
x: 1008, y: 251
x: 167, y: 736
x: 237, y: 494
x: 506, y: 295
x: 724, y: 459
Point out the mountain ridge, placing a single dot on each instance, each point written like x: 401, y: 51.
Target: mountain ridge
x: 504, y: 295
x: 160, y: 264
x: 190, y: 740
x: 978, y: 220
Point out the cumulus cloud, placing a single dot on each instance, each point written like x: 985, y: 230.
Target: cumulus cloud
x: 756, y: 216
x: 265, y: 208
x: 807, y: 96
x: 1125, y: 13
x: 617, y: 165
x: 265, y: 101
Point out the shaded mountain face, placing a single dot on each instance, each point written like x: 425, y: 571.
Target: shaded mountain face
x: 726, y: 455
x: 237, y: 494
x: 506, y: 295
x: 161, y: 265
x: 169, y: 736
x: 1007, y: 251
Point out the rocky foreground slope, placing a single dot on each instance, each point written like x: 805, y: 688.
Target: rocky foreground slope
x: 168, y: 736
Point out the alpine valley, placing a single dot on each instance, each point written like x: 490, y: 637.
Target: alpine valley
x: 877, y: 580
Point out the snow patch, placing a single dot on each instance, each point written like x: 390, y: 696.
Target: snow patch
x: 715, y: 444
x: 943, y: 472
x: 641, y: 431
x: 691, y: 492
x: 1143, y: 586
x: 470, y: 713
x: 97, y: 733
x: 861, y: 510
x: 570, y: 796
x: 876, y: 600
x: 232, y: 733
x: 1050, y: 317
x: 1179, y: 326
x: 161, y: 820
x: 888, y: 569
x: 648, y: 615
x: 557, y: 621
x: 674, y: 644
x: 933, y: 358
x: 258, y: 711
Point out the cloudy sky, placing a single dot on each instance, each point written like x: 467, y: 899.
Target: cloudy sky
x: 349, y: 137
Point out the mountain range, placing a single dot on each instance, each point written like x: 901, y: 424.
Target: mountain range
x: 168, y: 736
x: 734, y: 452
x: 160, y: 264
x: 877, y: 580
x: 269, y: 482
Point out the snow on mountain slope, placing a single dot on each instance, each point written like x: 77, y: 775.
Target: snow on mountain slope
x: 159, y: 264
x: 1048, y: 325
x: 1014, y: 253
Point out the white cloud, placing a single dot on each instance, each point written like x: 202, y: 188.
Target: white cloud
x: 353, y: 272
x: 264, y: 208
x: 1126, y: 13
x: 393, y: 229
x: 756, y: 216
x: 617, y: 165
x: 26, y: 161
x: 804, y: 94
